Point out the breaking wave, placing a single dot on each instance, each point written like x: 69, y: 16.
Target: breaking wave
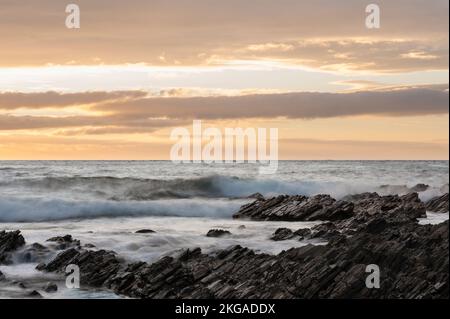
x: 133, y: 189
x: 36, y: 209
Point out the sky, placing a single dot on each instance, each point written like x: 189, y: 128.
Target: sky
x: 116, y: 87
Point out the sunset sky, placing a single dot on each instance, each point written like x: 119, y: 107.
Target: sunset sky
x: 116, y: 87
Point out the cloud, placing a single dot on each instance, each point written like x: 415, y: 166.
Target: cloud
x: 303, y: 105
x: 145, y: 114
x: 15, y: 100
x: 413, y: 36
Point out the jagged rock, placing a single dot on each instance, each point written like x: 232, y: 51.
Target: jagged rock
x: 89, y: 245
x: 326, y: 231
x: 50, y: 287
x: 2, y: 276
x: 406, y: 207
x: 438, y: 204
x: 64, y: 242
x: 9, y: 242
x: 419, y: 188
x: 95, y: 266
x: 217, y: 233
x: 323, y: 207
x: 291, y: 208
x: 145, y: 231
x: 282, y: 234
x: 303, y: 233
x: 34, y: 294
x: 257, y: 196
x: 381, y: 230
x: 34, y: 253
x: 413, y: 259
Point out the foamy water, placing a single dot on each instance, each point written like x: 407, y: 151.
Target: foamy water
x: 57, y: 190
x: 105, y: 203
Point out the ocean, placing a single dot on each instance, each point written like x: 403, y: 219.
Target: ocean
x: 105, y: 202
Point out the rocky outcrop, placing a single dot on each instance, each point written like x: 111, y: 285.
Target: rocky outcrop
x: 63, y: 242
x: 9, y: 242
x: 95, y: 266
x: 438, y: 204
x: 145, y: 231
x: 413, y: 262
x: 377, y: 230
x: 325, y: 208
x: 294, y: 208
x: 50, y: 287
x: 282, y: 234
x: 217, y: 233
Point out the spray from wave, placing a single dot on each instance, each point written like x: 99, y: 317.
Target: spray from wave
x: 36, y: 209
x: 134, y: 189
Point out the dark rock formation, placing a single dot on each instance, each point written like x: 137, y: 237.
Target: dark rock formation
x: 413, y: 262
x: 217, y: 233
x: 438, y: 204
x: 282, y: 234
x: 2, y: 276
x: 64, y: 242
x: 9, y: 242
x: 380, y: 230
x: 257, y: 196
x: 34, y: 253
x: 290, y: 208
x: 145, y: 231
x: 407, y: 206
x: 95, y: 266
x: 419, y: 188
x: 50, y: 287
x: 34, y: 294
x: 303, y: 233
x: 323, y: 207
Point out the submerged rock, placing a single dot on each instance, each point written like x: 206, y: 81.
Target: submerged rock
x: 217, y: 233
x: 9, y: 242
x: 438, y: 204
x: 50, y: 287
x: 419, y: 188
x: 34, y: 253
x: 64, y: 242
x: 145, y: 231
x: 282, y: 234
x: 34, y: 294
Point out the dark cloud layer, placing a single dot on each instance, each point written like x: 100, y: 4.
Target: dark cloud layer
x: 140, y: 113
x: 14, y: 100
x: 304, y: 105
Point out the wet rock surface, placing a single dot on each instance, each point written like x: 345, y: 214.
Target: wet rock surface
x: 438, y: 204
x: 50, y: 287
x: 326, y: 208
x: 9, y: 242
x: 144, y: 231
x: 413, y: 260
x: 365, y: 229
x: 218, y: 233
x: 282, y: 234
x: 63, y: 242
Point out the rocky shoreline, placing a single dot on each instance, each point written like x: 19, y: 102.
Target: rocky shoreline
x: 360, y: 230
